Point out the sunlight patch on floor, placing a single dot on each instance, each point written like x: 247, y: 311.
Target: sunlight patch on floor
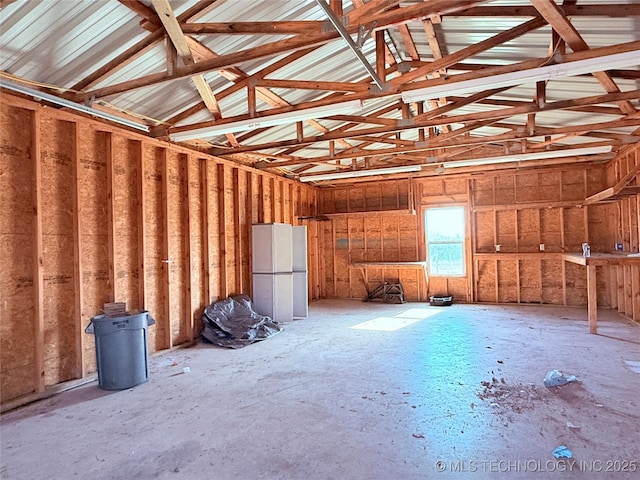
x: 398, y: 321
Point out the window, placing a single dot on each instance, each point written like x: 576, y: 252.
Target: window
x: 445, y: 241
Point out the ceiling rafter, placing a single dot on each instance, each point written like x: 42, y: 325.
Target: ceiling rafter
x: 471, y: 51
x: 135, y: 51
x: 392, y: 17
x: 170, y: 22
x: 266, y: 74
x: 561, y: 24
x: 592, y: 53
x: 463, y: 118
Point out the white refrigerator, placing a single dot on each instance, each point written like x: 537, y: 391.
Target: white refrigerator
x: 272, y: 266
x: 300, y: 275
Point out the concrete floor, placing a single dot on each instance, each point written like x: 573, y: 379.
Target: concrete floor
x: 457, y: 389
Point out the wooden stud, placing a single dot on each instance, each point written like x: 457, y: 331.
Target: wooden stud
x: 592, y: 295
x: 237, y: 230
x: 294, y: 191
x: 142, y: 230
x: 274, y: 207
x: 635, y: 293
x: 283, y: 217
x: 496, y: 286
x: 222, y: 237
x: 380, y: 55
x: 38, y: 274
x: 628, y: 291
x: 189, y: 319
x: 620, y: 287
x: 166, y: 252
x: 111, y: 233
x: 247, y: 230
x: 206, y: 259
x: 300, y: 131
x: 470, y: 245
x: 251, y: 100
x: 333, y: 251
x: 261, y: 199
x: 77, y: 256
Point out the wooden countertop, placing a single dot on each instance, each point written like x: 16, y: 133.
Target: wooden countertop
x: 600, y: 259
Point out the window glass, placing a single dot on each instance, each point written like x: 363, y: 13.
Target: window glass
x: 445, y: 241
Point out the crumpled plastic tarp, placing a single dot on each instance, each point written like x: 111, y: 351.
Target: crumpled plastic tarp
x: 233, y: 323
x: 555, y: 378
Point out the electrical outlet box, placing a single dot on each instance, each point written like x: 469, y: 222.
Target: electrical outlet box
x: 497, y: 248
x: 542, y: 247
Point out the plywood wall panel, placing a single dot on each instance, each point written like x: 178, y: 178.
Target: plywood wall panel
x: 483, y: 191
x: 340, y: 203
x: 458, y: 288
x: 484, y: 231
x: 408, y: 230
x: 549, y: 186
x: 126, y: 204
x: 196, y: 241
x: 573, y: 185
x: 530, y: 281
x: 551, y: 229
x: 244, y: 216
x: 528, y: 230
x: 373, y: 238
x: 356, y: 200
x: 508, y: 281
x: 177, y: 243
x: 598, y: 217
x: 552, y: 285
x: 527, y: 188
x: 328, y: 239
x: 505, y: 190
x: 485, y: 281
x: 576, y: 284
x: 455, y: 186
x: 17, y: 347
x: 506, y: 234
x: 390, y: 240
x: 156, y: 267
x: 373, y: 197
x: 574, y: 229
x: 93, y: 163
x: 231, y: 255
x: 115, y: 221
x: 58, y: 137
x: 213, y: 239
x: 596, y: 181
x: 341, y: 258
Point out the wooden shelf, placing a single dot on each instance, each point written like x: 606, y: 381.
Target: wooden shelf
x: 389, y: 265
x: 620, y: 190
x: 379, y: 213
x: 518, y: 255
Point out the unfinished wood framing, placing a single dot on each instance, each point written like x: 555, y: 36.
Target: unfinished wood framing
x: 97, y: 214
x: 151, y: 224
x: 533, y: 218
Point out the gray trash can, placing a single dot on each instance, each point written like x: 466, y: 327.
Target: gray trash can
x: 121, y: 349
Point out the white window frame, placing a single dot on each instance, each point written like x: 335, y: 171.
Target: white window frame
x: 461, y: 242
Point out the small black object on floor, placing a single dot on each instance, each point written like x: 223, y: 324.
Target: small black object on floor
x: 441, y: 300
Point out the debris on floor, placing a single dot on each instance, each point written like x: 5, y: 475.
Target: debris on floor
x: 233, y: 323
x: 555, y: 378
x: 562, y: 452
x: 633, y: 365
